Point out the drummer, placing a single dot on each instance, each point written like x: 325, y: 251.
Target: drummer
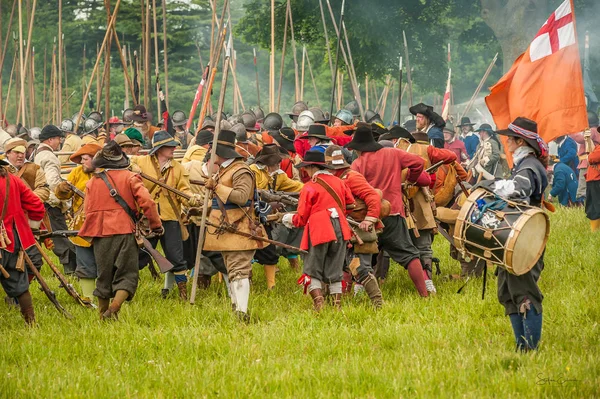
x: 520, y: 295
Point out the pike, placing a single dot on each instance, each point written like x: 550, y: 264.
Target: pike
x: 408, y: 72
x: 283, y: 47
x: 337, y: 59
x: 480, y: 86
x: 257, y: 83
x: 400, y: 92
x: 197, y: 97
x: 44, y: 286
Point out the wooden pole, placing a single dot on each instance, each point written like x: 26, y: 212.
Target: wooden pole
x: 352, y: 74
x: 211, y: 162
x: 313, y: 79
x: 95, y: 69
x: 30, y: 81
x: 53, y: 80
x: 302, y: 77
x: 2, y: 57
x: 147, y: 94
x: 367, y: 89
x: 337, y: 55
x: 272, y: 61
x: 400, y: 93
x: 123, y: 58
x: 98, y: 83
x: 22, y: 67
x: 257, y: 81
x: 165, y: 60
x: 326, y: 40
x: 27, y: 52
x: 235, y: 85
x: 283, y: 47
x: 479, y: 87
x: 296, y: 75
x: 60, y: 60
x: 66, y: 108
x: 107, y: 69
x: 44, y: 99
x: 158, y: 110
x: 125, y: 80
x: 408, y: 71
x: 10, y: 80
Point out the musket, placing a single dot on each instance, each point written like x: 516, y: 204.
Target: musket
x: 57, y: 233
x: 165, y: 186
x: 285, y: 199
x: 63, y: 281
x: 75, y: 189
x: 163, y: 263
x: 44, y: 286
x: 230, y: 229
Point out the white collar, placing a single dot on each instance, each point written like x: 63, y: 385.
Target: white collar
x: 322, y: 172
x: 520, y: 154
x: 227, y: 163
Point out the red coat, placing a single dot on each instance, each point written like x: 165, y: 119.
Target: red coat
x: 458, y: 148
x: 313, y: 213
x: 593, y: 172
x: 383, y: 170
x: 287, y: 165
x: 22, y: 204
x: 360, y: 188
x: 439, y: 155
x: 104, y: 217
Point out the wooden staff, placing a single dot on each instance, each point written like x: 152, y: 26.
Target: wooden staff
x: 326, y: 39
x: 106, y: 80
x: 44, y: 99
x: 367, y: 90
x: 147, y: 93
x: 479, y: 87
x: 302, y: 77
x: 352, y: 73
x: 211, y: 80
x: 257, y: 81
x: 408, y: 72
x: 165, y: 63
x: 297, y: 92
x: 211, y: 162
x: 400, y: 92
x: 237, y: 93
x: 285, y: 29
x: 60, y: 60
x: 313, y: 79
x: 30, y: 81
x: 337, y: 54
x: 66, y: 107
x: 272, y: 61
x: 158, y: 110
x: 95, y: 69
x: 98, y: 83
x: 124, y: 55
x: 22, y: 68
x: 2, y: 57
x: 123, y: 58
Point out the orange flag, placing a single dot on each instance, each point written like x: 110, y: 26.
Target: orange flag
x: 545, y: 83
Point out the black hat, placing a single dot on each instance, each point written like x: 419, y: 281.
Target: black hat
x: 427, y: 110
x: 269, y: 155
x: 285, y: 138
x: 313, y: 158
x: 179, y: 118
x: 526, y: 129
x: 421, y: 137
x: 204, y: 137
x: 398, y: 132
x: 50, y: 131
x: 318, y: 131
x: 140, y: 114
x: 110, y: 157
x: 378, y: 130
x: 465, y: 121
x: 486, y: 127
x: 363, y: 140
x: 226, y: 145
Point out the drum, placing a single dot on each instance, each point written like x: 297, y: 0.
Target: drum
x: 500, y: 231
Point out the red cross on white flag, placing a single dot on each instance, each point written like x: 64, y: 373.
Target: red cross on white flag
x: 557, y: 33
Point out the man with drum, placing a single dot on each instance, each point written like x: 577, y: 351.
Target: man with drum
x: 520, y: 295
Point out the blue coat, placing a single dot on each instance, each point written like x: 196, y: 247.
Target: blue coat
x: 567, y: 153
x: 564, y: 186
x: 471, y: 143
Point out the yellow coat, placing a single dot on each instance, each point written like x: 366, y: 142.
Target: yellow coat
x: 175, y: 176
x: 72, y: 143
x: 194, y: 153
x: 79, y: 179
x: 279, y: 181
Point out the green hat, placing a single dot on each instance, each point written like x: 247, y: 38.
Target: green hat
x: 134, y: 134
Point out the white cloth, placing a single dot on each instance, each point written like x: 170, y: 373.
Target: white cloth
x: 520, y: 153
x: 287, y: 220
x: 504, y: 188
x: 241, y: 292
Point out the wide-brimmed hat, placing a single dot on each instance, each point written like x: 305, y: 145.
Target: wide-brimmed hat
x: 123, y: 140
x: 526, y: 129
x: 397, y: 132
x: 318, y: 131
x: 285, y: 138
x: 15, y: 144
x: 465, y: 121
x: 135, y: 136
x: 486, y: 127
x: 334, y: 157
x: 88, y: 149
x: 140, y: 114
x: 313, y: 158
x: 110, y: 157
x: 204, y: 137
x: 363, y: 139
x: 162, y: 139
x: 179, y: 118
x: 50, y: 131
x: 269, y: 155
x: 427, y: 110
x: 449, y: 128
x: 421, y: 137
x: 226, y: 145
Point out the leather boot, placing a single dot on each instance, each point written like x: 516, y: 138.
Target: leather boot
x: 337, y: 301
x: 28, y: 315
x: 204, y: 281
x: 318, y: 300
x: 294, y: 264
x: 372, y: 289
x: 182, y: 287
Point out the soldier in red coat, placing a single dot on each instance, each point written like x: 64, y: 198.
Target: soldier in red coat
x: 322, y: 208
x: 16, y: 201
x: 382, y: 168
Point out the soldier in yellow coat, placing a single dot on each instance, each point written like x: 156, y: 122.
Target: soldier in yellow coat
x: 269, y: 176
x: 160, y: 164
x: 72, y: 141
x: 86, y: 269
x: 234, y: 187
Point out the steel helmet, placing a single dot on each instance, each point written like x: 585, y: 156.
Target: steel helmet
x: 91, y: 125
x: 240, y: 132
x: 352, y: 106
x: 249, y: 121
x: 298, y: 108
x: 67, y: 126
x: 319, y: 115
x: 273, y: 121
x: 305, y: 119
x: 372, y: 117
x: 345, y: 116
x: 259, y: 113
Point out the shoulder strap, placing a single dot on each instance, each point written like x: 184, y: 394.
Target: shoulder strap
x: 5, y: 205
x: 115, y: 194
x: 331, y: 191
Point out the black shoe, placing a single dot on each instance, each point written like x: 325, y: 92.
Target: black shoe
x: 164, y: 293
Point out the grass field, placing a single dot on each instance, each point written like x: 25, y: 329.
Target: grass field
x: 453, y: 345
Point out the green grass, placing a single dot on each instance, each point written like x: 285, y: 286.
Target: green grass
x: 453, y: 345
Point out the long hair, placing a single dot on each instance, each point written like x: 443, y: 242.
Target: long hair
x: 3, y: 171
